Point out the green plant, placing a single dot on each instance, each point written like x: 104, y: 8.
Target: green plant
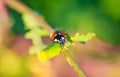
x: 38, y: 27
x: 54, y: 49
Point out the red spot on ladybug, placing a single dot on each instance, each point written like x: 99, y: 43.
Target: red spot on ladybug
x: 59, y: 37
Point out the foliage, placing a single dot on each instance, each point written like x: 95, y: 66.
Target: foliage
x: 18, y: 26
x: 35, y: 33
x: 54, y: 49
x: 101, y: 17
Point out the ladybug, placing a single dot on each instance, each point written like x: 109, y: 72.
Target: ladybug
x: 59, y: 37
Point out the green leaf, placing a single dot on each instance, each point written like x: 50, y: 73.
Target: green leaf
x: 51, y: 51
x: 35, y: 33
x: 29, y: 21
x: 82, y: 38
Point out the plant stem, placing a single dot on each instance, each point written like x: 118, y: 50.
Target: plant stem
x: 22, y: 8
x: 71, y: 61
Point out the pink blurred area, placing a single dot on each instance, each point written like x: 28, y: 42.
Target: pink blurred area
x: 3, y: 20
x: 3, y: 11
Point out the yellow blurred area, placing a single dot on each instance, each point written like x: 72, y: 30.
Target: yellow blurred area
x: 40, y: 68
x: 14, y: 65
x: 10, y: 64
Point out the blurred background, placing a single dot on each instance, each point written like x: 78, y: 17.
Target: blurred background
x: 99, y: 57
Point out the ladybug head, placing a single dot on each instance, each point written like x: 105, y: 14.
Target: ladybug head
x: 59, y: 37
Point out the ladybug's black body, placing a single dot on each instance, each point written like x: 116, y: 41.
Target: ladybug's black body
x: 59, y: 37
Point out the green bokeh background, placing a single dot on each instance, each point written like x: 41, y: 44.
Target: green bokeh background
x: 99, y: 16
